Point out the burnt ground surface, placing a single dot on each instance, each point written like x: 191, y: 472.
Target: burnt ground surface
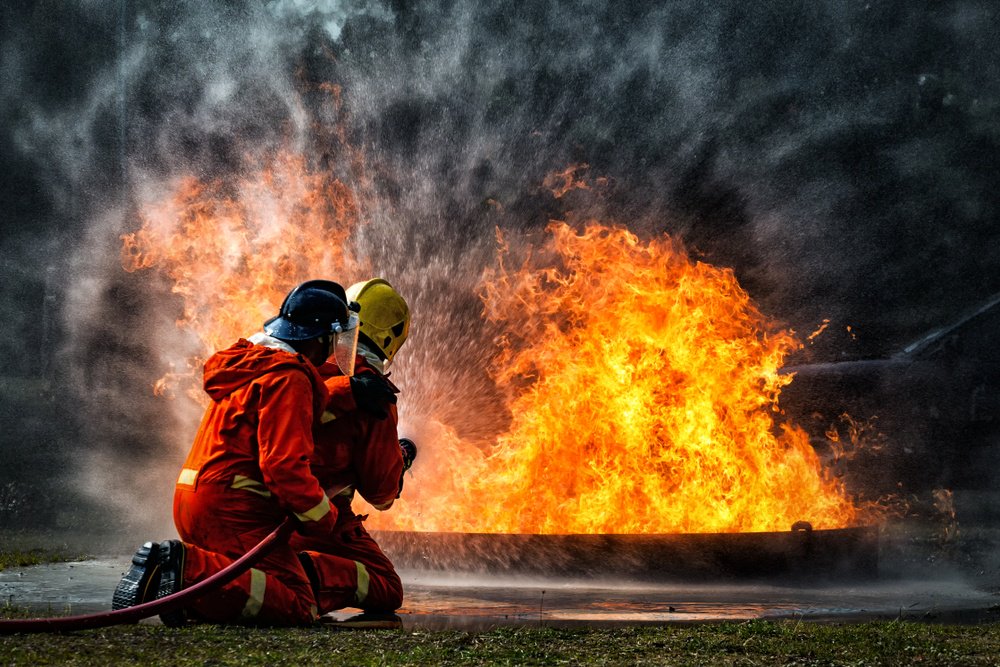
x: 926, y: 573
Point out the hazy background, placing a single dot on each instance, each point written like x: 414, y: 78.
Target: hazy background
x: 842, y: 159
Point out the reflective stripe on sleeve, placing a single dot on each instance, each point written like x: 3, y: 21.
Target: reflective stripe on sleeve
x: 188, y: 476
x: 251, y: 485
x: 316, y: 513
x: 327, y: 417
x: 258, y: 584
x: 362, y: 591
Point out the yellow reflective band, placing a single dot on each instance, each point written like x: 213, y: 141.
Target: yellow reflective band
x: 346, y: 491
x: 251, y: 485
x: 362, y: 592
x: 258, y: 584
x: 327, y: 417
x: 316, y: 513
x: 188, y: 476
x: 384, y: 506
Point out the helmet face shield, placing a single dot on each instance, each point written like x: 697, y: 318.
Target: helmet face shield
x: 345, y: 346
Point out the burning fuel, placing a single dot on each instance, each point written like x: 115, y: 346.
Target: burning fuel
x: 231, y: 248
x: 641, y: 385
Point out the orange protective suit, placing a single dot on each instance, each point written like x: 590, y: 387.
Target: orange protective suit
x: 355, y: 452
x: 248, y: 469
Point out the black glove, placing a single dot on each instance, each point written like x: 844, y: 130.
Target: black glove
x: 409, y: 451
x: 373, y: 394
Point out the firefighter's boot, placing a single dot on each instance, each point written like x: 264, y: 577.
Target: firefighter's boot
x: 142, y: 581
x: 172, y: 555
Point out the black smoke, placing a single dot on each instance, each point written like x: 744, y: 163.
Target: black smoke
x: 841, y: 158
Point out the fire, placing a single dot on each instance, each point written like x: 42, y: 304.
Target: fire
x: 643, y: 393
x: 562, y: 182
x: 232, y: 247
x: 642, y: 385
x: 822, y: 327
x: 574, y: 177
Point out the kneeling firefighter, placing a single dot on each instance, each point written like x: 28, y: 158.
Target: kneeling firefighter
x: 359, y: 451
x: 249, y: 468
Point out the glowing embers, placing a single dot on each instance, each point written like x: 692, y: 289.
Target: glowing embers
x: 642, y: 390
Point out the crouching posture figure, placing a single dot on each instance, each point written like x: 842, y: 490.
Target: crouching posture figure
x: 358, y: 450
x: 249, y: 469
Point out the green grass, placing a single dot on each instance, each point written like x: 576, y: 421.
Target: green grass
x: 19, y: 558
x: 749, y: 643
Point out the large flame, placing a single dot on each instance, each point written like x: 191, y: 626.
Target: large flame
x: 233, y: 247
x: 643, y: 391
x: 642, y: 385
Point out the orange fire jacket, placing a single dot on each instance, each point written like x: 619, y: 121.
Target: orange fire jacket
x: 354, y: 450
x: 256, y: 435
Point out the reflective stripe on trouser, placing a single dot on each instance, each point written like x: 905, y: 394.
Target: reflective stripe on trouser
x: 218, y: 525
x: 351, y: 569
x: 258, y: 587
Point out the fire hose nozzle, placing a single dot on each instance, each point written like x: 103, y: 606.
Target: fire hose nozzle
x: 409, y: 450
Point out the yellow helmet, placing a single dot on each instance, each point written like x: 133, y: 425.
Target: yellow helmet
x: 385, y: 317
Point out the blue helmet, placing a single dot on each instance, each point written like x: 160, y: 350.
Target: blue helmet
x: 313, y: 309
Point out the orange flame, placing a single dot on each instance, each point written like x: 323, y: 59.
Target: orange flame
x: 234, y: 247
x: 815, y: 334
x: 643, y: 386
x: 561, y: 183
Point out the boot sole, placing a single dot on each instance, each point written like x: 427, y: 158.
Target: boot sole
x: 142, y: 579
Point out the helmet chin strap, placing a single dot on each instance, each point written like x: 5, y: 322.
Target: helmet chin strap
x: 327, y: 345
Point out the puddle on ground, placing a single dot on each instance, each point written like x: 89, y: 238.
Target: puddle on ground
x: 596, y: 603
x: 440, y: 601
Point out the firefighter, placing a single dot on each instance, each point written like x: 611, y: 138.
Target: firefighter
x: 359, y: 451
x: 249, y: 468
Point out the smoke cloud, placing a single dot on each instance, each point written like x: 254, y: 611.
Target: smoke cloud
x: 840, y: 158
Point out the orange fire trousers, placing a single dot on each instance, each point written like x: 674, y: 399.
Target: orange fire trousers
x: 218, y: 525
x: 349, y: 569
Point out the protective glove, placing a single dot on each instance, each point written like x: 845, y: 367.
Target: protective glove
x: 409, y: 451
x: 373, y: 394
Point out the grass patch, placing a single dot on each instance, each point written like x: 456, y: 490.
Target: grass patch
x: 754, y: 642
x: 19, y: 558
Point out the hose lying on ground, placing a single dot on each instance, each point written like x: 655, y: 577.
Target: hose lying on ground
x: 163, y: 605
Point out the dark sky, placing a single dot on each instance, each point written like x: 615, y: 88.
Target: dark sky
x: 841, y: 157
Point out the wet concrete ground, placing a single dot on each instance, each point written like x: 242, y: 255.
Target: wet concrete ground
x: 434, y: 601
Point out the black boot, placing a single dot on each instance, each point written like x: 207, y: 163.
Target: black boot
x: 172, y: 555
x: 142, y: 581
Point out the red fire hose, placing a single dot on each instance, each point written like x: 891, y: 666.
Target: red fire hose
x: 163, y: 605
